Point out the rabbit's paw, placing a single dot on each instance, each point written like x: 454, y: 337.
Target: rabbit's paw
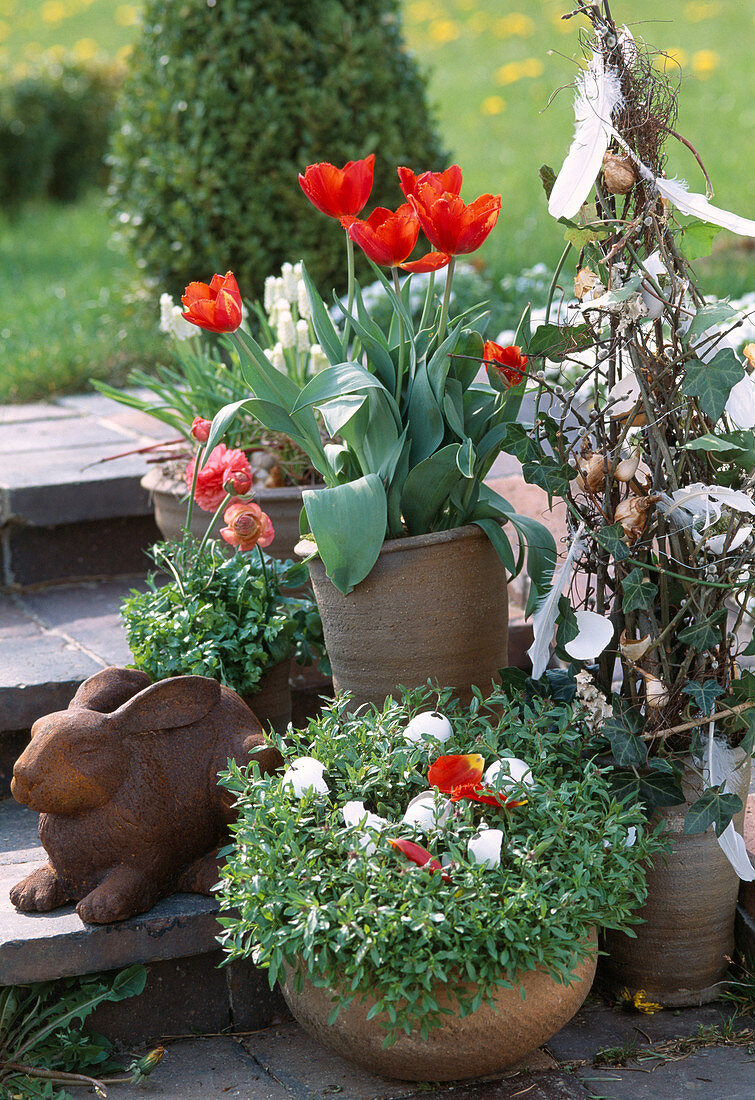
x: 39, y: 892
x: 122, y: 894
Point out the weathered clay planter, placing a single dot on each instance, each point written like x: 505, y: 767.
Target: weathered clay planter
x: 679, y: 956
x: 272, y: 702
x: 433, y: 606
x: 484, y: 1042
x: 169, y: 499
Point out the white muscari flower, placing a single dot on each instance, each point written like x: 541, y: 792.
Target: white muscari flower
x: 306, y: 774
x: 289, y: 280
x: 428, y: 725
x: 172, y: 321
x: 270, y: 296
x: 302, y: 301
x: 485, y: 848
x: 285, y: 325
x: 268, y: 354
x: 279, y: 359
x: 318, y: 360
x: 302, y: 336
x: 423, y: 812
x: 507, y: 772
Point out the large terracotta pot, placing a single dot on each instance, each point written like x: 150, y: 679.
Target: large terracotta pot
x: 433, y: 606
x: 679, y: 955
x: 484, y: 1042
x: 169, y: 499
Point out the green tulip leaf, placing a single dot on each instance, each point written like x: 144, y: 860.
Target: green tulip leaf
x: 348, y: 523
x: 427, y: 488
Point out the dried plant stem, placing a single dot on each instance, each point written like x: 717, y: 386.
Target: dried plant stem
x: 701, y: 721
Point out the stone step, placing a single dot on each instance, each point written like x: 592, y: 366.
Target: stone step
x: 68, y: 507
x: 186, y: 991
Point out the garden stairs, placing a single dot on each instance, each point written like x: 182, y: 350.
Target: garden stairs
x: 74, y: 524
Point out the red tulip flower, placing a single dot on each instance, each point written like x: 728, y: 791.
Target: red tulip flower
x: 450, y: 180
x: 508, y: 363
x: 459, y: 777
x: 452, y: 227
x: 200, y: 429
x: 419, y: 855
x: 339, y: 192
x: 216, y: 307
x: 247, y: 525
x: 209, y: 492
x: 387, y: 236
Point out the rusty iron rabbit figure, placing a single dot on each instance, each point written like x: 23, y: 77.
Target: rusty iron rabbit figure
x: 125, y: 781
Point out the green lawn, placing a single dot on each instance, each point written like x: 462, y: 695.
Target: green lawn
x: 66, y: 299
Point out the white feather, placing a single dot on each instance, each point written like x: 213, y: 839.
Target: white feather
x: 721, y: 769
x: 598, y: 95
x: 544, y: 619
x: 695, y: 204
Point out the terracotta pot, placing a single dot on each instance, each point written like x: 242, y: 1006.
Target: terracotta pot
x: 484, y: 1042
x: 679, y: 955
x: 271, y: 703
x: 169, y: 499
x: 433, y: 606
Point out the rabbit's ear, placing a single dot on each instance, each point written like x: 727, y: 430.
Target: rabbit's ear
x: 168, y: 704
x: 109, y: 689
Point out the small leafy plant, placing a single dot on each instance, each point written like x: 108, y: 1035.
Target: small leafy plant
x: 230, y: 618
x: 345, y: 891
x: 42, y: 1042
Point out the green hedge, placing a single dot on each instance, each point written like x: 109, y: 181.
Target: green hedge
x: 55, y: 119
x: 227, y: 102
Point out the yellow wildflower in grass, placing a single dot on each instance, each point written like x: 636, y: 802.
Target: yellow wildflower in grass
x: 514, y: 25
x: 85, y: 49
x: 479, y: 22
x: 126, y: 15
x: 695, y: 12
x: 444, y: 30
x: 671, y: 60
x: 124, y: 53
x: 704, y: 62
x: 493, y: 105
x: 518, y: 70
x: 420, y: 11
x: 53, y: 11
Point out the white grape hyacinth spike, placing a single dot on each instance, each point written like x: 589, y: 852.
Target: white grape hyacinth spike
x: 430, y: 724
x: 306, y: 774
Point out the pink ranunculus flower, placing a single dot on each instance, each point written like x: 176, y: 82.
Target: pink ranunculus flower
x: 247, y: 525
x: 209, y: 493
x: 200, y: 429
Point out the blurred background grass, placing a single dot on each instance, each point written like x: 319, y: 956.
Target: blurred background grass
x: 70, y: 306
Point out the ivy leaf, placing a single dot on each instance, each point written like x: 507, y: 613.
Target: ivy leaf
x: 661, y: 788
x: 520, y: 444
x: 612, y: 539
x: 638, y: 593
x: 629, y: 750
x: 547, y: 178
x: 568, y: 627
x: 750, y: 651
x: 711, y: 383
x: 704, y: 636
x: 557, y: 341
x: 747, y: 718
x: 696, y: 239
x: 714, y: 808
x: 706, y: 317
x: 550, y: 475
x: 704, y: 694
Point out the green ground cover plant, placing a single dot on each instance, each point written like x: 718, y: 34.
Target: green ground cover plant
x: 490, y: 79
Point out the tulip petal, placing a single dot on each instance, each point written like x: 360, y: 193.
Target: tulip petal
x: 448, y: 772
x: 431, y: 261
x: 419, y: 855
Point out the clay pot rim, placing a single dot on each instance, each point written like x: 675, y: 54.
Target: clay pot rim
x: 306, y: 547
x: 156, y: 481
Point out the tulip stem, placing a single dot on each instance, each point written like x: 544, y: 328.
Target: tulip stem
x: 446, y: 300
x: 190, y: 506
x: 428, y: 300
x: 554, y: 282
x: 401, y: 357
x: 211, y: 524
x: 350, y: 299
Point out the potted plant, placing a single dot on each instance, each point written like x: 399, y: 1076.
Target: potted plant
x: 205, y: 376
x: 234, y: 618
x: 425, y: 879
x: 408, y: 538
x: 652, y: 451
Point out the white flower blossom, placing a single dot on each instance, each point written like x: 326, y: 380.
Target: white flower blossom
x: 285, y: 324
x: 290, y: 288
x: 302, y: 300
x: 302, y: 337
x: 318, y: 360
x: 172, y: 321
x: 270, y: 296
x: 278, y: 358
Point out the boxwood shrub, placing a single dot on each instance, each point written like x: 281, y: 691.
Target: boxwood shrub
x: 227, y: 102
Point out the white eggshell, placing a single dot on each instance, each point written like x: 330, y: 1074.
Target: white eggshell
x: 509, y: 770
x: 306, y: 774
x: 429, y: 724
x: 486, y: 847
x: 423, y: 812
